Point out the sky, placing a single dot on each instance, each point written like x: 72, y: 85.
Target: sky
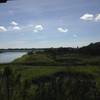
x: 49, y: 23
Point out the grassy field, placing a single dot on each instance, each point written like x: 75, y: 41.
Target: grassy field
x: 43, y: 64
x: 29, y: 71
x: 42, y: 76
x: 58, y: 60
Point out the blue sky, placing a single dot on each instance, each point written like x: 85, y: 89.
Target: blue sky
x: 49, y: 23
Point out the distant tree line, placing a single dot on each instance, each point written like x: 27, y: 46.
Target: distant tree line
x: 91, y: 49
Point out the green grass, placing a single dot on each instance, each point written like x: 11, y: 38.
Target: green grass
x: 29, y: 72
x: 34, y: 71
x: 44, y: 61
x: 34, y: 58
x: 66, y: 59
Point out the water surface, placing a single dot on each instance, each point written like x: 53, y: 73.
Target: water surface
x: 7, y: 57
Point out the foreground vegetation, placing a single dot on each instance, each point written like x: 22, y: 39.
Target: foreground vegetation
x: 49, y: 83
x: 52, y: 74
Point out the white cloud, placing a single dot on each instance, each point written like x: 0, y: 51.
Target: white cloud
x: 38, y: 28
x: 63, y: 30
x: 13, y: 28
x: 87, y: 17
x: 14, y: 23
x: 91, y: 17
x: 97, y: 18
x: 35, y: 30
x: 3, y: 29
x: 16, y: 28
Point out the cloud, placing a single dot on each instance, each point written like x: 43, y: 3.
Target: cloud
x: 63, y: 30
x: 16, y: 28
x: 14, y: 23
x: 87, y: 17
x: 35, y: 31
x: 13, y: 28
x: 38, y: 28
x: 91, y: 17
x: 3, y: 29
x: 97, y: 18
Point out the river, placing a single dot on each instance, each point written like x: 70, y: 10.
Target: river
x: 7, y: 57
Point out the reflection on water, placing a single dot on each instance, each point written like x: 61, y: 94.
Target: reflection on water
x: 7, y: 57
